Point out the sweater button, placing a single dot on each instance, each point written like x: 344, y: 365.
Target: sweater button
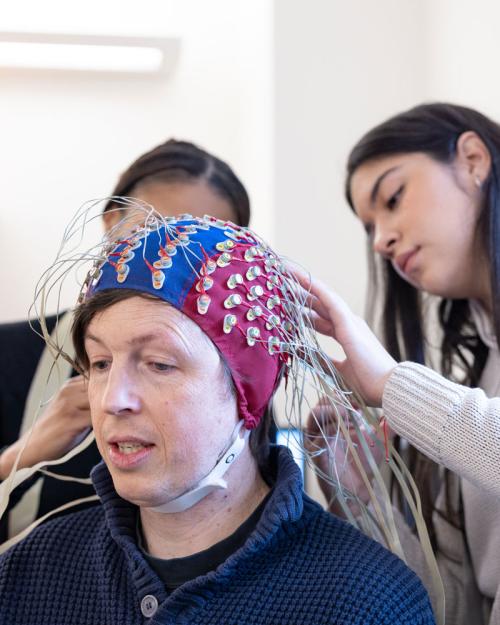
x: 149, y: 605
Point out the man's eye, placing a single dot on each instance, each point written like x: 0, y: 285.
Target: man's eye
x: 99, y: 365
x: 161, y: 366
x: 392, y: 202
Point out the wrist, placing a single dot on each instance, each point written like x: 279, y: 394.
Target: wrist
x: 7, y: 459
x: 382, y: 384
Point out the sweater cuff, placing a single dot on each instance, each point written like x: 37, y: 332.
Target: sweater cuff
x: 417, y: 403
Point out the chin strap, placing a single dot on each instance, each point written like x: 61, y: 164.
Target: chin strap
x: 213, y: 480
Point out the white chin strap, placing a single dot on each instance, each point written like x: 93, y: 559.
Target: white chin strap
x: 213, y: 480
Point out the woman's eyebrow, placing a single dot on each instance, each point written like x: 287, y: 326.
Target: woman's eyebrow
x: 378, y: 182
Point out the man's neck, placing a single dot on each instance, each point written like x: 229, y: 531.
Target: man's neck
x: 217, y: 516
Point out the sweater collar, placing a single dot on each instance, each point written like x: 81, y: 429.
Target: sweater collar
x: 484, y: 325
x: 285, y: 506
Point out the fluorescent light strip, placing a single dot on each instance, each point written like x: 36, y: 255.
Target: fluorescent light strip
x: 81, y: 57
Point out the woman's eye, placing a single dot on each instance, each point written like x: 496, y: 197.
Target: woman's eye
x: 392, y: 202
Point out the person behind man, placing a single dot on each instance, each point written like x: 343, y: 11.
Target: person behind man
x: 184, y: 330
x: 176, y: 177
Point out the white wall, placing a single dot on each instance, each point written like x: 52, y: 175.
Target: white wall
x: 463, y: 53
x: 340, y: 68
x: 65, y: 139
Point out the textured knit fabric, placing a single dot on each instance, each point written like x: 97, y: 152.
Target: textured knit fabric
x: 177, y: 571
x: 453, y: 425
x: 482, y: 512
x: 300, y: 566
x: 459, y: 428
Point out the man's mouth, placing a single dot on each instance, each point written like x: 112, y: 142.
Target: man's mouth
x: 127, y: 453
x: 130, y: 448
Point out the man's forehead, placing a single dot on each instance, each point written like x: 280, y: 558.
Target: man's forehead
x: 147, y: 322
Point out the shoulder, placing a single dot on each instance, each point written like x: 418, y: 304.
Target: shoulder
x: 55, y: 548
x: 361, y: 574
x: 69, y: 570
x: 20, y: 352
x: 20, y: 345
x: 23, y: 330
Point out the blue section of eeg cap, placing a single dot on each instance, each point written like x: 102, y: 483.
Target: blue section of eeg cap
x: 179, y: 278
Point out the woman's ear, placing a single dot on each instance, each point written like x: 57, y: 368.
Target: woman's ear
x: 111, y: 218
x: 473, y: 159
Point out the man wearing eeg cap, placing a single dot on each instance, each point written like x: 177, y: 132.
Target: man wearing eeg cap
x: 184, y: 329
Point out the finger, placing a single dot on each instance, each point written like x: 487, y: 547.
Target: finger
x: 323, y: 419
x: 321, y: 324
x: 74, y: 389
x: 84, y: 407
x: 83, y: 418
x: 322, y: 295
x: 76, y: 380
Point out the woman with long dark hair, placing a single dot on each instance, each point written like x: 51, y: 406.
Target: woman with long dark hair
x: 426, y: 186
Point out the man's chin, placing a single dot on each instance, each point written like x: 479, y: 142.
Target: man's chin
x: 146, y: 498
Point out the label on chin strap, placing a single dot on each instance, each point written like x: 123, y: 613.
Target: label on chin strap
x: 211, y: 482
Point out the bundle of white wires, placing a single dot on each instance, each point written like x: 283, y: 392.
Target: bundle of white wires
x: 355, y: 434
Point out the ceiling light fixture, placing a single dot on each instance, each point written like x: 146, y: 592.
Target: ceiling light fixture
x: 87, y: 53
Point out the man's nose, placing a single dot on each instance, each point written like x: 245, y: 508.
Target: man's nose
x: 121, y: 395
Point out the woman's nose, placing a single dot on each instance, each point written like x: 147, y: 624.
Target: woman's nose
x: 384, y: 240
x: 121, y: 394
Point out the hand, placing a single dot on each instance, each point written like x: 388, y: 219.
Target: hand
x: 63, y: 424
x: 334, y: 460
x: 367, y: 365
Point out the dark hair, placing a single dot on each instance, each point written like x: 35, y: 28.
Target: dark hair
x: 433, y: 129
x: 181, y: 161
x: 259, y: 437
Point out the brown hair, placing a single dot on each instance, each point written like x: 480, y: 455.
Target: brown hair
x: 181, y: 161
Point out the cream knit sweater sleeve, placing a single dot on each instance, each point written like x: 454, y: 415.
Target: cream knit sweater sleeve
x: 454, y: 425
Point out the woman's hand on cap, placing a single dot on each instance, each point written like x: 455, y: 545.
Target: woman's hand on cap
x: 367, y: 365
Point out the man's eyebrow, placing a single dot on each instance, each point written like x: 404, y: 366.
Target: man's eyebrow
x: 378, y: 182
x: 137, y: 340
x: 91, y: 337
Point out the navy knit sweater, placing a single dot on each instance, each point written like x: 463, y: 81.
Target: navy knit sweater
x: 300, y: 566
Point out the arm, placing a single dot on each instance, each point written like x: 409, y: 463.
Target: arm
x: 63, y: 424
x: 456, y: 426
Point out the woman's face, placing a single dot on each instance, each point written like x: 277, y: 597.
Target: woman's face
x: 422, y: 216
x: 162, y: 410
x: 196, y: 198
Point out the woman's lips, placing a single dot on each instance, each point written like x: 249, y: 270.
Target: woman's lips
x: 126, y: 454
x: 405, y: 262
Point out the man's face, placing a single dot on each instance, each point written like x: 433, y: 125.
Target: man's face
x: 161, y: 408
